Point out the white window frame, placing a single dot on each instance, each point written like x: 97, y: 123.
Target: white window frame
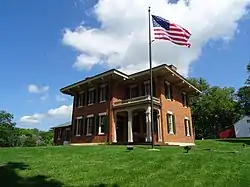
x: 88, y: 120
x: 169, y: 91
x: 172, y: 124
x: 187, y: 126
x: 130, y: 88
x: 147, y: 83
x: 77, y: 125
x: 91, y: 90
x: 185, y: 103
x: 99, y: 123
x: 103, y: 93
x: 80, y: 99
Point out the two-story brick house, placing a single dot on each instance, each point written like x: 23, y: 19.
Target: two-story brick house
x: 115, y: 107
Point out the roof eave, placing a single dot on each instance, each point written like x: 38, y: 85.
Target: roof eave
x: 66, y: 90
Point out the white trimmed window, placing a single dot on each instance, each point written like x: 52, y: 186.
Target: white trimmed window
x: 170, y: 123
x: 147, y: 87
x: 90, y: 121
x: 133, y: 91
x: 79, y: 122
x: 184, y: 99
x: 80, y: 99
x: 103, y: 93
x: 101, y: 128
x: 187, y: 126
x: 91, y: 94
x: 168, y: 90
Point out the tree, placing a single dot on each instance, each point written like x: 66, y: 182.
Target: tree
x: 8, y: 131
x: 213, y: 110
x: 248, y: 70
x: 244, y: 95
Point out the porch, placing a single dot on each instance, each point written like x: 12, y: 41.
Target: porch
x: 132, y: 121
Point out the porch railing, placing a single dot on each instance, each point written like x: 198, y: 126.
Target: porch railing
x: 137, y: 100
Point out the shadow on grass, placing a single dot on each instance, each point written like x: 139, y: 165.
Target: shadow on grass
x: 104, y: 185
x: 239, y: 141
x: 10, y: 178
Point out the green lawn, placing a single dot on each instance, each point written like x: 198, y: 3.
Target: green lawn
x: 210, y: 163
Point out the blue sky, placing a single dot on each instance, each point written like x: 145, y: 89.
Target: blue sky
x: 33, y: 52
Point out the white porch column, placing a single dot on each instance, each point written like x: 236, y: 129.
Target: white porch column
x: 130, y: 130
x: 114, y: 128
x: 148, y: 124
x: 159, y: 127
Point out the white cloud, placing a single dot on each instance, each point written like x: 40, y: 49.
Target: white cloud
x: 122, y: 39
x: 32, y: 88
x: 44, y: 97
x: 60, y: 98
x: 62, y: 112
x: 33, y: 119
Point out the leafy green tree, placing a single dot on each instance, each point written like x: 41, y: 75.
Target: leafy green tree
x: 213, y: 110
x: 8, y: 131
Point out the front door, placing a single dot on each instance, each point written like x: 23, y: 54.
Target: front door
x: 121, y: 130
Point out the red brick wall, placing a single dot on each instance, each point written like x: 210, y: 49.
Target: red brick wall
x: 180, y: 112
x: 94, y: 109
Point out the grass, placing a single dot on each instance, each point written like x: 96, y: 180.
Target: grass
x: 225, y: 164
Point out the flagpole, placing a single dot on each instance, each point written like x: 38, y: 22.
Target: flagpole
x: 151, y: 77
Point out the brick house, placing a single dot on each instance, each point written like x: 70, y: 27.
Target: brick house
x: 115, y: 107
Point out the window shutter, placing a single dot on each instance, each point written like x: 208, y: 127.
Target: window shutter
x: 106, y: 125
x: 95, y: 99
x: 83, y: 98
x: 74, y: 129
x: 185, y: 127
x: 76, y: 100
x: 128, y: 92
x: 87, y: 97
x: 97, y: 118
x: 174, y: 128
x: 85, y: 126
x: 81, y: 126
x: 143, y: 89
x: 171, y: 93
x: 187, y: 99
x: 189, y: 127
x: 154, y: 89
x: 182, y: 95
x: 166, y: 90
x: 168, y: 125
x: 107, y: 92
x: 97, y: 90
x: 93, y: 125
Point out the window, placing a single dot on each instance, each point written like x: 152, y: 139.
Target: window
x: 79, y: 123
x: 170, y: 123
x: 248, y: 121
x: 90, y: 120
x: 133, y: 91
x: 187, y: 126
x: 168, y: 91
x: 103, y: 93
x: 59, y: 134
x: 102, y: 122
x: 147, y: 87
x: 91, y: 94
x: 184, y: 99
x: 80, y: 99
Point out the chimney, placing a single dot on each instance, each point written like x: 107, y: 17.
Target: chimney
x: 172, y: 67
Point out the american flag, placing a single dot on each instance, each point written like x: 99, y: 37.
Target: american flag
x: 164, y: 30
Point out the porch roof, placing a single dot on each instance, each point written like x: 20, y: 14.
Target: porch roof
x: 62, y: 125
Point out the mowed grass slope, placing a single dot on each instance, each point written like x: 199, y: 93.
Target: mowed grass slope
x: 114, y: 166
